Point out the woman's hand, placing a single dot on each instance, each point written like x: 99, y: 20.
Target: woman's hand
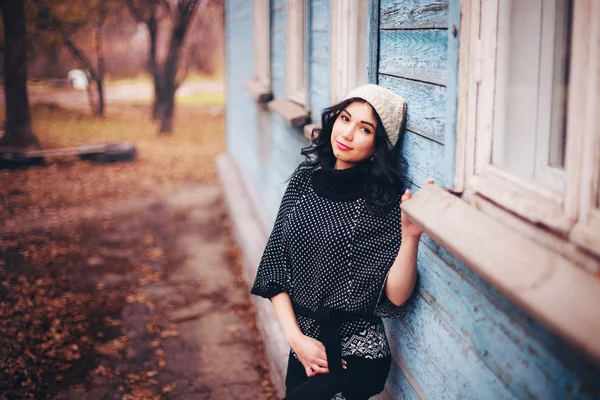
x: 311, y: 354
x: 408, y: 227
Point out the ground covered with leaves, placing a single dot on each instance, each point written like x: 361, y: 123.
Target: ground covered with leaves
x: 69, y: 272
x: 163, y: 162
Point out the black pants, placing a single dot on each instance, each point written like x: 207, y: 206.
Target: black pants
x: 362, y: 379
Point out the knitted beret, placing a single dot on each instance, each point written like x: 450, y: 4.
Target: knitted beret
x: 390, y: 106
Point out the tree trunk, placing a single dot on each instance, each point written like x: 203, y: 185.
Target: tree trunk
x: 18, y: 130
x: 100, y: 59
x: 166, y: 123
x: 158, y: 108
x: 100, y: 87
x: 169, y: 75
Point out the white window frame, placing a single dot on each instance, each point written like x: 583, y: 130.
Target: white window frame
x: 586, y: 62
x: 295, y: 60
x: 477, y: 79
x: 348, y: 46
x: 262, y: 43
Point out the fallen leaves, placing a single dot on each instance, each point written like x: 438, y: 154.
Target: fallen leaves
x: 48, y: 192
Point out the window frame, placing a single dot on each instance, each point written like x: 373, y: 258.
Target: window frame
x: 262, y: 43
x: 575, y: 214
x: 586, y: 232
x: 475, y: 171
x: 349, y: 42
x: 295, y: 51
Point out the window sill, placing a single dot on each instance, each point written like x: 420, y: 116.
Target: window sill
x: 260, y: 93
x: 291, y: 112
x: 551, y: 289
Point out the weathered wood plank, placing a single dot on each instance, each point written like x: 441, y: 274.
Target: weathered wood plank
x: 320, y: 15
x: 414, y: 14
x: 397, y: 386
x: 320, y: 80
x: 503, y: 344
x: 426, y: 106
x: 318, y: 103
x: 277, y: 59
x: 443, y: 365
x: 420, y: 158
x: 523, y: 270
x: 277, y: 5
x: 278, y: 54
x: 560, y: 362
x: 373, y: 42
x: 415, y: 54
x: 320, y: 48
x: 451, y: 94
x: 278, y: 22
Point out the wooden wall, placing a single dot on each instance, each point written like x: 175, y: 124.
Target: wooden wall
x: 460, y: 337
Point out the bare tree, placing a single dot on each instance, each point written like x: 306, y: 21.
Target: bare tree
x: 71, y: 18
x: 17, y: 130
x: 180, y: 14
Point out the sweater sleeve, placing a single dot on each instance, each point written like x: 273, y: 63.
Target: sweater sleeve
x: 385, y: 308
x: 273, y: 275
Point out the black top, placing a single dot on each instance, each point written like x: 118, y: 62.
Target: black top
x: 330, y: 254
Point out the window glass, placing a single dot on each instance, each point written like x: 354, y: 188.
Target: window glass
x: 531, y: 86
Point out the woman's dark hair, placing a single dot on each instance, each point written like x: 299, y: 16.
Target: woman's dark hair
x: 383, y: 179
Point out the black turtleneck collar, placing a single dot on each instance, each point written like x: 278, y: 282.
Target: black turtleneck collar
x: 340, y: 184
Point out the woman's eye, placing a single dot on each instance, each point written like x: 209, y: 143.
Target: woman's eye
x: 366, y: 130
x: 344, y: 118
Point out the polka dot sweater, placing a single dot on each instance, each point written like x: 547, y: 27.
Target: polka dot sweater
x: 327, y: 250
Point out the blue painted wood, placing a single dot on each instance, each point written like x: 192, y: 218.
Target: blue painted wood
x: 544, y: 348
x: 277, y: 59
x: 320, y: 85
x: 451, y: 94
x: 277, y: 5
x: 426, y: 106
x: 373, y: 41
x: 505, y: 341
x: 308, y: 44
x: 320, y: 48
x: 319, y: 102
x: 414, y: 54
x: 444, y: 366
x: 420, y: 158
x: 278, y: 49
x: 320, y: 13
x: 414, y: 14
x: 397, y: 386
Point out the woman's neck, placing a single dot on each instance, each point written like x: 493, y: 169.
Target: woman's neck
x: 340, y: 184
x: 339, y: 164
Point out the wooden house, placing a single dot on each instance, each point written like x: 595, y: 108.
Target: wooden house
x: 504, y: 113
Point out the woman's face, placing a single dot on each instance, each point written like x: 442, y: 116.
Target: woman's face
x: 353, y: 135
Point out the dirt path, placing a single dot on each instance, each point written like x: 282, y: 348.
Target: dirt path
x: 175, y: 321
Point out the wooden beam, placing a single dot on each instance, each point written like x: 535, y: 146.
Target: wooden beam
x: 549, y: 287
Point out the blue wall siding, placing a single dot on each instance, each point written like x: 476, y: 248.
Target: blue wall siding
x: 460, y: 338
x: 265, y: 148
x: 320, y: 39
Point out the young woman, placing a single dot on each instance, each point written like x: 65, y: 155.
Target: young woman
x: 334, y: 263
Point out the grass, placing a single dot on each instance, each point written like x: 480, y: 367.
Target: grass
x: 163, y: 163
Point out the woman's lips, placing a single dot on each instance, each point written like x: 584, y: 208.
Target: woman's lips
x: 342, y: 147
